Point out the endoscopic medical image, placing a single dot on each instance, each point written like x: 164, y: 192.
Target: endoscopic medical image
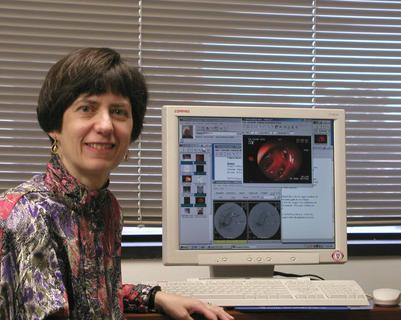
x: 277, y: 159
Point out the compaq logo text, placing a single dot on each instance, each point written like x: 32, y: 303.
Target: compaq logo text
x: 181, y: 111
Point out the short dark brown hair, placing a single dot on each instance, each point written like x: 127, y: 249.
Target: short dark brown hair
x: 91, y: 71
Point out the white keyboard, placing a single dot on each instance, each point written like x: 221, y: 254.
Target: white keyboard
x: 270, y: 292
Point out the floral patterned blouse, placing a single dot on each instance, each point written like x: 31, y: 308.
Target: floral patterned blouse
x: 60, y: 251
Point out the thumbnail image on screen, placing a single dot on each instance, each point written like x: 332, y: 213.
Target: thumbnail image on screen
x: 247, y: 220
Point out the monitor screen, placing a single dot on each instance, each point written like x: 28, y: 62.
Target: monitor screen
x: 251, y: 186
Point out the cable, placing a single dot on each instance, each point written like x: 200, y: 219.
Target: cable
x: 293, y: 275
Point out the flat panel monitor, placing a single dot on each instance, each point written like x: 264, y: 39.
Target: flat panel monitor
x: 253, y: 186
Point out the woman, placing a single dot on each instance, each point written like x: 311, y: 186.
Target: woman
x: 60, y: 232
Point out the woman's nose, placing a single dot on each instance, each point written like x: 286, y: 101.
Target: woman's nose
x: 104, y: 123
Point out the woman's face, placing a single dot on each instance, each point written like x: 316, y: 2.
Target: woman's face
x: 95, y: 135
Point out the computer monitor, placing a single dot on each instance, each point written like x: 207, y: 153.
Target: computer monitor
x: 253, y: 186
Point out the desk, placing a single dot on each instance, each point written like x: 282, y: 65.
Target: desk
x: 377, y: 313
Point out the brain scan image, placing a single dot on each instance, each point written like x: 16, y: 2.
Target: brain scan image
x: 264, y: 220
x: 230, y: 220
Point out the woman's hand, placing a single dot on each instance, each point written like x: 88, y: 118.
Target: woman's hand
x: 181, y: 308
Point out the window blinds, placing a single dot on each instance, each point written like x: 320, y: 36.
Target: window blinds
x: 299, y: 53
x: 358, y: 68
x: 222, y: 53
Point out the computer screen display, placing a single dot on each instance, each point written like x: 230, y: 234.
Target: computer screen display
x: 253, y: 185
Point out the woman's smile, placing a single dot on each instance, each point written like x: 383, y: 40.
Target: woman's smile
x: 101, y: 146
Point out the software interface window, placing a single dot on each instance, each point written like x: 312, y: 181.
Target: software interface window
x: 256, y: 183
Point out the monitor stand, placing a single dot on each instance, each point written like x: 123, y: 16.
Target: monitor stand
x: 262, y: 271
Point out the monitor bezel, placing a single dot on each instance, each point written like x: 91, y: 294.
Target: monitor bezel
x: 172, y: 255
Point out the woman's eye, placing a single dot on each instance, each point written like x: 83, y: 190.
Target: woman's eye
x: 85, y: 108
x: 120, y: 112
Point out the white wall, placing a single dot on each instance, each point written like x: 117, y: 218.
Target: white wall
x: 371, y: 273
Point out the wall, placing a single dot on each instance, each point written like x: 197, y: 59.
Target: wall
x: 371, y: 273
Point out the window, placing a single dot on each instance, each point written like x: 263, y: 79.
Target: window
x: 323, y: 53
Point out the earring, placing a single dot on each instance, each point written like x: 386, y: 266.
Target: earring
x: 126, y: 156
x: 54, y: 147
